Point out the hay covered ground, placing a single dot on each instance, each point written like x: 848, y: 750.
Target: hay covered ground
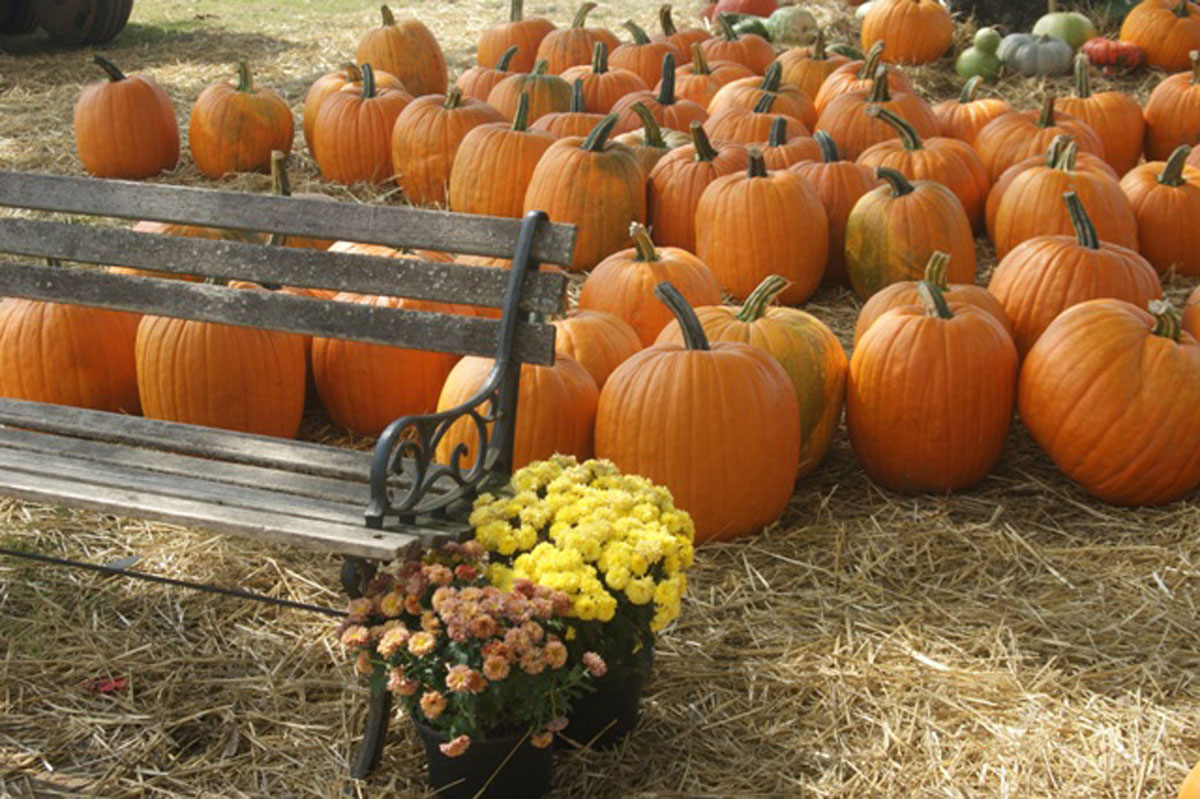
x: 1017, y: 640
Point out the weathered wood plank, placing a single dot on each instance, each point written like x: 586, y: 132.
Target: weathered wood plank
x: 367, y: 274
x: 375, y: 224
x: 467, y: 335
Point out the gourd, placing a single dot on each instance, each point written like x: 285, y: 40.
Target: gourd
x: 1030, y: 55
x: 1113, y: 56
x: 1071, y: 27
x: 792, y: 26
x: 981, y: 58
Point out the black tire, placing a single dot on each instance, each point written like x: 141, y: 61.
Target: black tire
x: 83, y: 21
x: 17, y: 17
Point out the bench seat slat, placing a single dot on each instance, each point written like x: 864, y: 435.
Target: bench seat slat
x: 534, y: 343
x: 364, y: 274
x: 375, y: 224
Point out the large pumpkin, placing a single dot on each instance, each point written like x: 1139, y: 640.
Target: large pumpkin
x: 575, y: 121
x: 595, y: 184
x: 671, y: 112
x: 1165, y: 30
x: 716, y: 424
x: 329, y: 84
x: 651, y: 143
x: 749, y: 49
x: 751, y: 125
x: 1018, y: 135
x: 930, y: 395
x: 807, y: 68
x: 597, y: 340
x: 623, y: 284
x: 1043, y: 276
x: 1173, y: 112
x: 407, y: 50
x: 547, y: 93
x: 603, y: 86
x: 235, y: 128
x: 1100, y: 393
x: 125, y: 127
x: 917, y: 31
x: 846, y: 120
x: 1115, y: 116
x: 680, y: 178
x: 735, y: 237
x: 644, y: 56
x: 569, y: 47
x: 802, y: 344
x: 700, y: 81
x: 894, y: 229
x: 522, y: 32
x: 353, y: 130
x: 964, y: 117
x: 1166, y: 201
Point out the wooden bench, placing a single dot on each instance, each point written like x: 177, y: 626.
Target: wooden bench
x: 364, y: 507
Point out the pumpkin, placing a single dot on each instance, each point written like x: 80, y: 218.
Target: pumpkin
x: 597, y: 340
x: 781, y: 152
x: 168, y: 229
x: 1166, y: 31
x: 1018, y: 135
x: 522, y: 32
x: 547, y: 93
x: 282, y: 186
x: 749, y: 50
x: 623, y: 284
x: 478, y: 82
x: 751, y: 126
x: 790, y: 25
x: 332, y: 82
x: 1191, y: 313
x: 644, y: 57
x: 1043, y: 276
x: 894, y: 229
x: 1166, y: 202
x: 426, y: 138
x: 1191, y: 784
x: 1069, y: 26
x: 929, y: 396
x: 947, y: 161
x: 746, y: 93
x: 741, y: 250
x: 751, y: 8
x: 602, y: 87
x: 1173, y: 113
x: 570, y: 47
x: 905, y: 293
x: 806, y: 68
x: 1030, y: 55
x: 1112, y: 422
x: 839, y: 185
x: 981, y: 59
x: 724, y: 422
x: 965, y: 117
x: 1113, y: 56
x: 670, y: 111
x: 683, y: 40
x: 68, y: 355
x: 125, y: 127
x: 859, y: 76
x: 576, y: 121
x: 234, y: 129
x: 917, y: 31
x: 651, y: 143
x: 407, y: 50
x: 494, y: 164
x: 677, y: 181
x: 700, y: 81
x: 595, y: 184
x: 353, y: 130
x: 236, y: 378
x: 1032, y: 205
x: 556, y: 411
x: 855, y: 131
x: 1115, y: 116
x: 803, y: 345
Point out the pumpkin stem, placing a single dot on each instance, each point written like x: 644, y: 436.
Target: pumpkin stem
x: 908, y: 134
x: 635, y: 30
x: 114, y: 74
x: 704, y: 149
x: 899, y: 183
x: 577, y: 102
x: 1166, y: 320
x: 507, y: 57
x: 1066, y: 161
x: 1181, y: 10
x: 540, y: 66
x: 933, y: 300
x: 1083, y: 81
x: 1194, y: 55
x: 772, y: 77
x: 969, y: 90
x: 935, y: 270
x: 516, y: 10
x: 1057, y: 145
x: 454, y: 97
x: 643, y: 243
x: 389, y: 19
x: 829, y: 151
x: 761, y: 298
x: 1046, y: 120
x: 1172, y: 174
x: 694, y: 337
x: 596, y: 140
x: 653, y: 131
x: 879, y: 88
x: 521, y: 118
x: 368, y: 82
x: 664, y: 20
x: 778, y: 135
x: 699, y: 62
x: 245, y: 79
x: 757, y: 166
x: 726, y: 28
x: 281, y: 184
x: 600, y: 58
x: 581, y: 15
x: 1085, y: 231
x: 818, y: 52
x: 763, y: 106
x: 666, y: 89
x: 871, y: 61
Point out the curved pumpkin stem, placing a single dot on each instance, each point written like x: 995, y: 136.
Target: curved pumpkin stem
x: 879, y: 88
x: 1166, y: 320
x: 818, y: 51
x: 778, y: 135
x: 899, y: 183
x: 454, y: 98
x: 1181, y: 10
x: 595, y: 141
x: 1057, y: 145
x: 763, y: 106
x: 368, y: 82
x: 1046, y: 120
x: 935, y: 270
x: 642, y: 242
x: 114, y: 74
x: 389, y: 19
x: 281, y: 184
x: 1085, y: 231
x: 829, y: 151
x: 507, y: 57
x: 520, y: 122
x: 772, y: 77
x: 666, y: 91
x: 639, y: 36
x: 245, y: 79
x: 704, y: 149
x: 577, y: 101
x: 970, y: 90
x: 516, y: 10
x: 761, y: 298
x: 1066, y: 161
x: 1172, y: 174
x: 694, y: 337
x: 580, y: 20
x: 871, y: 61
x: 699, y: 62
x: 1194, y: 55
x: 757, y: 166
x: 600, y: 58
x: 539, y: 67
x: 908, y: 134
x: 664, y: 20
x: 1083, y: 80
x: 726, y: 28
x: 933, y: 300
x: 652, y: 131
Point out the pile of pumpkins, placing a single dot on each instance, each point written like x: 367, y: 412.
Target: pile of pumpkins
x: 703, y: 164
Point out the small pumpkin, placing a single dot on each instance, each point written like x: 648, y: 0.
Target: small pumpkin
x: 651, y: 143
x: 1173, y: 112
x: 125, y: 127
x: 1112, y: 56
x: 781, y: 152
x: 750, y: 50
x: 1167, y: 31
x: 963, y: 118
x: 602, y: 86
x: 1166, y: 201
x: 235, y: 128
x: 478, y: 82
x: 522, y: 32
x: 859, y: 76
x: 1030, y: 55
x: 854, y: 131
x: 1115, y: 116
x: 598, y: 341
x: 576, y: 121
x: 353, y: 130
x: 407, y: 50
x: 700, y: 81
x: 1018, y: 135
x: 1071, y: 27
x: 746, y: 93
x: 332, y: 82
x: 917, y: 31
x: 644, y: 56
x: 806, y: 68
x: 547, y: 93
x: 671, y: 111
x: 569, y: 47
x: 981, y: 59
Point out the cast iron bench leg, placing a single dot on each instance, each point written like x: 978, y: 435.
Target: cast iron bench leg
x: 356, y: 573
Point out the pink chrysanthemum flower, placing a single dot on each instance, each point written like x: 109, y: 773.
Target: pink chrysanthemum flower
x: 396, y: 679
x: 406, y: 687
x: 495, y: 668
x: 483, y: 627
x: 393, y: 640
x: 541, y: 740
x: 356, y: 636
x: 465, y: 572
x: 533, y: 662
x: 461, y: 679
x: 595, y: 664
x: 359, y: 610
x: 441, y: 596
x: 412, y: 605
x: 542, y: 608
x: 456, y: 747
x: 438, y: 574
x: 556, y: 654
x: 430, y: 622
x: 433, y: 704
x: 392, y: 604
x: 421, y: 643
x: 557, y: 725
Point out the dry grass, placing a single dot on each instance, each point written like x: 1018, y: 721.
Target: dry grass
x: 1018, y: 640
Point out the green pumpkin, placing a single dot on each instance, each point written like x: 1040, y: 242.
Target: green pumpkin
x: 748, y: 23
x: 1070, y: 26
x: 981, y: 58
x: 792, y: 26
x: 1032, y: 56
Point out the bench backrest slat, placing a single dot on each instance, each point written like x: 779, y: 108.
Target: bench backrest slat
x: 470, y: 335
x: 374, y: 224
x: 366, y: 274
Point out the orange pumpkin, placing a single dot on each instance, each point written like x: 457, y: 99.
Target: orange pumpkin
x: 917, y: 31
x: 859, y: 76
x: 644, y: 57
x: 576, y: 121
x: 782, y: 152
x: 623, y: 284
x: 1166, y: 201
x: 724, y: 419
x: 1018, y: 135
x: 741, y: 251
x: 478, y: 82
x: 854, y: 130
x: 522, y: 32
x: 965, y: 117
x: 746, y: 92
x: 597, y: 340
x: 700, y: 81
x: 930, y: 395
x: 803, y: 345
x: 751, y: 125
x: 603, y: 86
x: 125, y: 127
x: 1191, y: 784
x: 670, y: 111
x: 234, y: 129
x: 806, y: 68
x: 749, y: 49
x: 281, y: 185
x: 547, y: 93
x: 329, y: 84
x: 167, y: 229
x: 683, y: 40
x: 407, y: 50
x: 1043, y: 276
x: 570, y: 47
x: 651, y: 143
x: 680, y: 178
x: 1115, y: 116
x: 353, y: 130
x: 1165, y: 30
x: 1173, y: 112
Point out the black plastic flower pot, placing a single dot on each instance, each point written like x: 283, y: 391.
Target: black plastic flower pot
x: 605, y: 717
x: 493, y: 768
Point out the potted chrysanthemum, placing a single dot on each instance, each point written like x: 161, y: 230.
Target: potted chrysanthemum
x: 617, y: 547
x: 483, y: 672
